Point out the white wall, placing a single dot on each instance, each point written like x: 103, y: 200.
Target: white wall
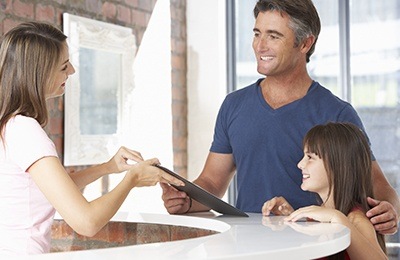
x: 206, y: 78
x: 152, y: 117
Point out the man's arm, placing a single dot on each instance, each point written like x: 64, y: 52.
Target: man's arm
x: 386, y: 206
x: 217, y: 173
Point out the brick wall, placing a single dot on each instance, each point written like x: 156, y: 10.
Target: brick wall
x: 116, y: 234
x: 130, y: 13
x: 179, y: 93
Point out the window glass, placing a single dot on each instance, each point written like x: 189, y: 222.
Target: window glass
x: 246, y: 68
x: 324, y: 63
x: 375, y: 52
x: 375, y: 76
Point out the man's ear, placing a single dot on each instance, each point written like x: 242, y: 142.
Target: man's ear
x: 307, y: 43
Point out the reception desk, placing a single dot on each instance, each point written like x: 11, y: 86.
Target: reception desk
x: 255, y: 237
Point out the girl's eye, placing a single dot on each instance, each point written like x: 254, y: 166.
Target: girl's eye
x: 64, y: 68
x: 311, y: 156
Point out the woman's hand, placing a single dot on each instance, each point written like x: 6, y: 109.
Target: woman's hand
x: 119, y: 162
x: 146, y: 174
x: 277, y: 206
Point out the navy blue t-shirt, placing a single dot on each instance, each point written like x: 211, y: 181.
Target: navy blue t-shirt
x: 266, y: 143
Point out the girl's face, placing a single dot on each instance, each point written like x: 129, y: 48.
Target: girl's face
x: 315, y: 177
x: 63, y: 70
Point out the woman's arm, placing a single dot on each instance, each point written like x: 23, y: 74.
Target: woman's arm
x: 118, y: 163
x: 87, y: 218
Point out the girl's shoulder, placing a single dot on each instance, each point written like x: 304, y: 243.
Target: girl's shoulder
x: 359, y: 220
x: 357, y: 214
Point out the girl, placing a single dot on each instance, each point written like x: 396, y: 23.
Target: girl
x: 34, y: 67
x: 337, y: 166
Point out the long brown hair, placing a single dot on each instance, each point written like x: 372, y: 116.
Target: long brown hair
x: 29, y: 54
x: 304, y: 18
x: 346, y: 153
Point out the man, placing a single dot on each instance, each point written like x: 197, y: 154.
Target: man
x: 259, y: 129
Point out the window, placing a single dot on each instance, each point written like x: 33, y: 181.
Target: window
x: 363, y: 69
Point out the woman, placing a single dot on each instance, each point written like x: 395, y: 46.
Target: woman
x: 337, y: 166
x: 34, y: 67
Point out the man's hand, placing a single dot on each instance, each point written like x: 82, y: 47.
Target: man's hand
x: 176, y: 202
x: 383, y: 216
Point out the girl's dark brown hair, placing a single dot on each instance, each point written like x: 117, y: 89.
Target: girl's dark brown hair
x: 29, y: 55
x: 347, y: 159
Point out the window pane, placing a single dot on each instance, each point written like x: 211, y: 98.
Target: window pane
x: 246, y: 67
x: 324, y: 63
x: 375, y: 70
x: 375, y: 52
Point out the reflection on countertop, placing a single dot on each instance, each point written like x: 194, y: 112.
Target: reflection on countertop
x: 120, y: 233
x: 230, y: 237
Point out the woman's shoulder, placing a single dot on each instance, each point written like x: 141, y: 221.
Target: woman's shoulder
x: 20, y: 120
x: 22, y: 127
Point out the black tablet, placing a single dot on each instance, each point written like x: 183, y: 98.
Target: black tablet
x: 204, y: 197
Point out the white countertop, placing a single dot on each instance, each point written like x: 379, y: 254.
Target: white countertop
x: 240, y: 238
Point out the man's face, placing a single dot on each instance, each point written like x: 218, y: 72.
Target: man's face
x: 274, y: 44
